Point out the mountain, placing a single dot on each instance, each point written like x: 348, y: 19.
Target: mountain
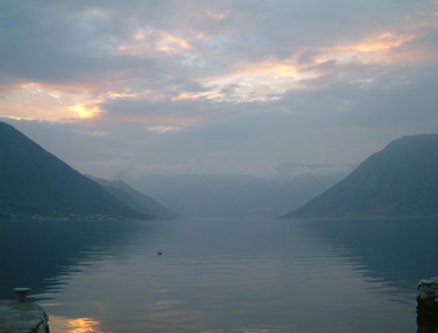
x: 135, y: 199
x: 228, y: 195
x: 399, y: 181
x: 34, y: 182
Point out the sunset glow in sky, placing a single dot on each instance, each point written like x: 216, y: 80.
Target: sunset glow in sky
x: 217, y: 86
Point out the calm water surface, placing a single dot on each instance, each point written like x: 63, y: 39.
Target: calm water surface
x: 222, y: 275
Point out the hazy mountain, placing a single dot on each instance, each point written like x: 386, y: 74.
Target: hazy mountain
x: 399, y: 181
x: 233, y: 195
x: 135, y: 199
x: 35, y: 182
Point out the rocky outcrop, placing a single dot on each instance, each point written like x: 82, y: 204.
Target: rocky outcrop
x: 427, y: 302
x: 26, y: 317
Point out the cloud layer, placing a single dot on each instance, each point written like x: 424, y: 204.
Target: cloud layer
x: 209, y: 86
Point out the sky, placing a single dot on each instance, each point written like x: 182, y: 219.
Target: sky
x: 266, y: 88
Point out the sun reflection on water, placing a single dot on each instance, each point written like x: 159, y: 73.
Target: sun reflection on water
x: 74, y: 325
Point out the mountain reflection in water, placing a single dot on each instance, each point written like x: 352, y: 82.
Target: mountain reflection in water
x: 222, y: 275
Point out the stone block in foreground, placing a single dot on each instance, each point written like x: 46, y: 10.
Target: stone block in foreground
x: 26, y: 317
x: 427, y: 301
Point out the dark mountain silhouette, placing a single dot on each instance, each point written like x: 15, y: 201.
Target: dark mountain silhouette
x: 34, y: 182
x: 135, y: 199
x: 399, y: 181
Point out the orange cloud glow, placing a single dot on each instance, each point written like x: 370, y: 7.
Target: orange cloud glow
x: 383, y: 42
x: 35, y: 101
x: 371, y: 50
x: 84, y: 111
x: 263, y: 81
x: 215, y: 16
x: 57, y: 103
x: 189, y: 95
x: 154, y: 42
x: 116, y: 95
x: 271, y: 68
x: 164, y: 129
x: 267, y: 80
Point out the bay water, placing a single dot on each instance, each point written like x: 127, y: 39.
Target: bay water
x: 221, y: 275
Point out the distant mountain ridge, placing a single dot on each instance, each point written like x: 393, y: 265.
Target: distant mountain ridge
x: 135, y: 199
x: 399, y: 181
x: 33, y: 182
x: 231, y: 195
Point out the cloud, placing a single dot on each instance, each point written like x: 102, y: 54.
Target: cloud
x: 164, y: 129
x: 149, y: 43
x: 225, y: 86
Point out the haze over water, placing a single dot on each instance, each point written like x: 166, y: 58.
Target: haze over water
x: 233, y: 275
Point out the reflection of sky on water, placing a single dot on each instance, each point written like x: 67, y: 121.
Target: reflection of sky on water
x: 397, y: 252
x: 53, y: 249
x: 256, y: 276
x: 76, y: 325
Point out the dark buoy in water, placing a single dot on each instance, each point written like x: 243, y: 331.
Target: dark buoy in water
x: 159, y: 253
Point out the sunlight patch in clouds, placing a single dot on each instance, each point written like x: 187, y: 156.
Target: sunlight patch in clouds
x: 150, y: 42
x: 190, y: 95
x: 35, y: 101
x: 215, y: 16
x: 84, y: 111
x: 164, y: 129
x: 196, y: 59
x: 268, y: 80
x: 375, y: 49
x: 263, y: 81
x: 62, y: 103
x: 116, y: 95
x: 383, y: 42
